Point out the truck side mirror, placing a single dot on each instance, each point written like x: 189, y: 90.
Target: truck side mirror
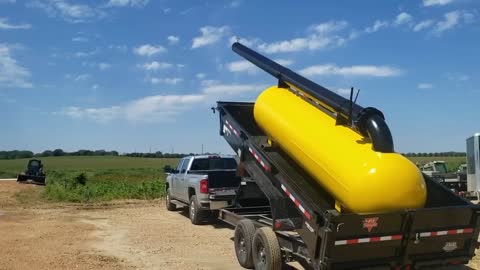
x: 168, y: 169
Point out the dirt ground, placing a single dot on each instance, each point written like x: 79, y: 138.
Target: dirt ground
x: 121, y: 235
x: 125, y: 235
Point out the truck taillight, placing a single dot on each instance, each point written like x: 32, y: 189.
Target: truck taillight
x: 204, y: 186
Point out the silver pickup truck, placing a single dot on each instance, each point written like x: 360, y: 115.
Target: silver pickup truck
x: 203, y: 183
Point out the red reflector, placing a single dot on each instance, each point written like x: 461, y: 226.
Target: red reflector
x: 204, y: 186
x: 456, y: 262
x: 278, y: 224
x: 396, y: 237
x: 470, y: 230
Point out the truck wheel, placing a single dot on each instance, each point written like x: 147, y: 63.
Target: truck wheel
x: 170, y: 206
x: 243, y: 241
x: 195, y: 213
x: 267, y: 254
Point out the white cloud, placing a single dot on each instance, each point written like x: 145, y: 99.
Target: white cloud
x: 95, y: 87
x: 329, y: 27
x: 73, y: 13
x: 82, y: 77
x: 96, y: 114
x: 160, y: 107
x: 120, y: 48
x: 148, y: 50
x: 104, y: 66
x: 360, y: 70
x: 173, y: 39
x: 124, y: 3
x: 11, y: 73
x: 154, y: 66
x: 200, y: 76
x: 428, y: 3
x: 7, y: 26
x: 458, y: 77
x: 86, y: 54
x: 324, y: 35
x: 245, y: 66
x: 209, y: 82
x: 377, y: 26
x: 423, y: 25
x: 403, y: 18
x: 7, y: 1
x: 451, y: 20
x: 235, y: 3
x: 424, y: 86
x: 231, y: 89
x: 210, y: 35
x: 241, y: 66
x: 169, y: 81
x: 80, y: 39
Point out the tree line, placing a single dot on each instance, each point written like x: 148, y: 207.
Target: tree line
x: 437, y: 154
x: 15, y: 154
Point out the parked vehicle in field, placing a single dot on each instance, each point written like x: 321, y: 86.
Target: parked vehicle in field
x: 283, y: 212
x: 203, y: 183
x: 33, y: 172
x: 435, y: 169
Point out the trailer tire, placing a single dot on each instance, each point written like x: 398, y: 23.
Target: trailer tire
x: 195, y: 214
x: 267, y: 254
x: 170, y: 206
x: 243, y: 241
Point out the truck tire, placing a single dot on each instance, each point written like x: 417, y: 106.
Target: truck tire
x: 267, y: 254
x: 243, y: 241
x: 170, y: 206
x: 194, y: 212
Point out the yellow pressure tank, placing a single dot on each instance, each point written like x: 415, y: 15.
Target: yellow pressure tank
x: 341, y: 160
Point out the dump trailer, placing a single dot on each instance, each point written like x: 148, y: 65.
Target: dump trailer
x: 284, y: 212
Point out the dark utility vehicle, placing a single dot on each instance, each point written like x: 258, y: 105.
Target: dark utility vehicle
x: 33, y: 172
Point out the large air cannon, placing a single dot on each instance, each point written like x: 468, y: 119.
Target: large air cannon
x: 346, y: 148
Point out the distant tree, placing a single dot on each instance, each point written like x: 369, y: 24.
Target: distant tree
x: 58, y: 153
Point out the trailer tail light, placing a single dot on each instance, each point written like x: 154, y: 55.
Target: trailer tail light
x: 204, y: 186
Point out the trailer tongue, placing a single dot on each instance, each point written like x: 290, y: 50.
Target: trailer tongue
x: 284, y: 212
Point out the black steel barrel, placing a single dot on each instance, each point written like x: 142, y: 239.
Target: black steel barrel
x: 367, y: 121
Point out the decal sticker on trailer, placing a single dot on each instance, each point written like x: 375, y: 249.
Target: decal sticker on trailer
x: 370, y: 223
x: 450, y: 246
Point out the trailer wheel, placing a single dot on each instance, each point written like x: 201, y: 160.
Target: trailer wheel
x: 195, y: 214
x: 170, y: 206
x: 267, y: 254
x: 243, y: 240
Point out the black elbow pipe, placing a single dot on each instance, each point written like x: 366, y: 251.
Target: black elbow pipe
x: 371, y: 124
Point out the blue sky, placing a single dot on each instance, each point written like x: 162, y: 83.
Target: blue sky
x: 138, y: 75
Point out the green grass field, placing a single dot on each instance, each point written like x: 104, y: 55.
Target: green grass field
x: 90, y: 179
x: 10, y: 168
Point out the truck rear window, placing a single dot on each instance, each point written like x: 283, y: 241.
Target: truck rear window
x: 205, y: 164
